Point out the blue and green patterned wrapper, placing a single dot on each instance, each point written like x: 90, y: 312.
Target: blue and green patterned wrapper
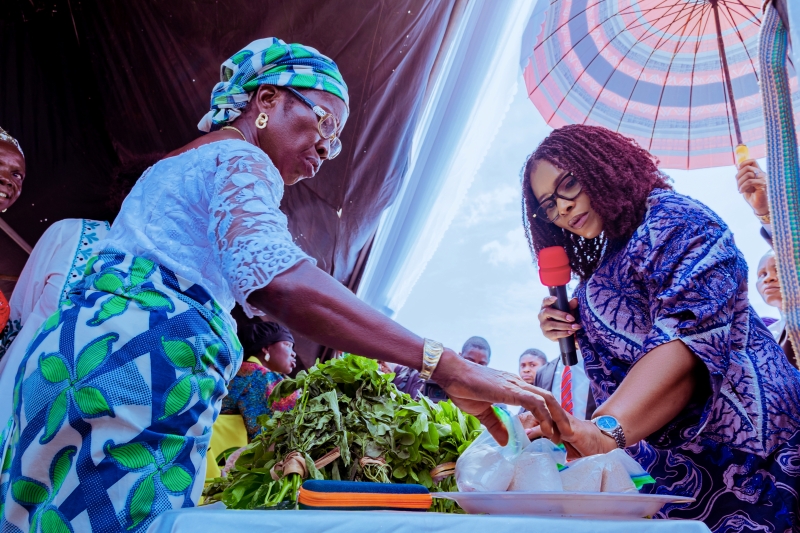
x: 114, y: 401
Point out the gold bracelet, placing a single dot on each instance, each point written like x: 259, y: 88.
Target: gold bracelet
x: 431, y: 353
x: 765, y: 219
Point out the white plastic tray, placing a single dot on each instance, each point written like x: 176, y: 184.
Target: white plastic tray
x: 577, y: 504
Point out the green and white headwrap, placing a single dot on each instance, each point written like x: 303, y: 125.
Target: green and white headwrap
x: 5, y: 136
x: 269, y: 61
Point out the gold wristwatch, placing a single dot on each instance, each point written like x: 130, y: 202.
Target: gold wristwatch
x: 431, y: 353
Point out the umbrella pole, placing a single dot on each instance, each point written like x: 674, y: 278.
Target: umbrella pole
x: 725, y: 72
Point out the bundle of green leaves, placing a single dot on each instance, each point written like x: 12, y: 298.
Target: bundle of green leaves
x: 381, y: 433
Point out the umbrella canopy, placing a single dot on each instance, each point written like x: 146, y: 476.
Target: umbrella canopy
x: 679, y: 76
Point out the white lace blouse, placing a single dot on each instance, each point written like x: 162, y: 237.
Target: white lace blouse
x: 212, y: 216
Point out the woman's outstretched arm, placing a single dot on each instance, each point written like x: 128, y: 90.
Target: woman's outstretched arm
x: 657, y: 388
x: 312, y: 303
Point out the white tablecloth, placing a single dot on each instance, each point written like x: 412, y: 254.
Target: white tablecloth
x: 228, y: 521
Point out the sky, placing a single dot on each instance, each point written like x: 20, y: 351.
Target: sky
x: 481, y: 280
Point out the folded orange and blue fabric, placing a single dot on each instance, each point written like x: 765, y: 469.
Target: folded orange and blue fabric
x: 332, y: 495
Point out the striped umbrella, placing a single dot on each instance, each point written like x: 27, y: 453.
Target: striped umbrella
x: 679, y: 76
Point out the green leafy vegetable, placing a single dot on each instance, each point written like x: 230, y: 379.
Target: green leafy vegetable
x: 382, y: 435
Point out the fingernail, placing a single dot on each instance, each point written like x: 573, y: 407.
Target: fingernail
x: 570, y: 318
x: 576, y: 326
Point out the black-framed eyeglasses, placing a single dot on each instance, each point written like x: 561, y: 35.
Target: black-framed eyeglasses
x: 327, y: 123
x: 567, y: 188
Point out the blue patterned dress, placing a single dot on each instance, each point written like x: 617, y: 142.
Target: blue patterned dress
x: 681, y: 277
x: 118, y: 390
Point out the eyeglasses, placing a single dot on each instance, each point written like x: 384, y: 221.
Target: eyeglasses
x: 567, y: 188
x: 327, y: 123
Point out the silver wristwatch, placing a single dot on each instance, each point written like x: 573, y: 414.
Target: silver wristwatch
x: 611, y: 427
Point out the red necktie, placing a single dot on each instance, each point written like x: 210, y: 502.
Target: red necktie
x: 566, y: 390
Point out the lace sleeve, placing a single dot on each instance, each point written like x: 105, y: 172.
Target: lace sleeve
x: 250, y: 232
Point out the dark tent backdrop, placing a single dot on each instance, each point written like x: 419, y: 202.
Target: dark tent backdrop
x: 95, y: 87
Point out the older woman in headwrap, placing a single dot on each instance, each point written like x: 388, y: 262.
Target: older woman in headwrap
x: 117, y: 393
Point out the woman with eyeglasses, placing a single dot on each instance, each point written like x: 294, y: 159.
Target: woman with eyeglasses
x: 116, y: 395
x: 685, y: 374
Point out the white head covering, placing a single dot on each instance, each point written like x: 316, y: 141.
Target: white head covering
x: 5, y: 136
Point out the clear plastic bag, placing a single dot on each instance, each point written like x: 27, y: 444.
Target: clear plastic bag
x: 615, y: 471
x: 541, y: 466
x: 535, y: 472
x: 536, y: 468
x: 638, y: 475
x: 485, y: 466
x: 583, y: 475
x: 546, y: 446
x: 616, y: 478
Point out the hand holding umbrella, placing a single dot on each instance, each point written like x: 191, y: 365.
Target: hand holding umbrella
x: 752, y: 184
x: 678, y: 76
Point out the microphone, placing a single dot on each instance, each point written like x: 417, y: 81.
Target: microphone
x: 554, y: 272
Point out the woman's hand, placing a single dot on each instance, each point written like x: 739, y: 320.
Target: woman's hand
x: 528, y: 421
x: 580, y: 437
x: 657, y: 388
x: 474, y: 388
x: 583, y: 438
x: 557, y: 324
x: 752, y: 183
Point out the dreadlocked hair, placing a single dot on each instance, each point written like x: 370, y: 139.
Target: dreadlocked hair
x: 616, y: 174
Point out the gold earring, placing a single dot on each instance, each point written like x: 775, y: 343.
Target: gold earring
x: 261, y: 121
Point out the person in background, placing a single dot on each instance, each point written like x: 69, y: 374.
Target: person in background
x: 54, y: 268
x: 407, y: 380
x: 386, y: 368
x: 477, y: 350
x: 12, y: 170
x: 769, y: 288
x: 55, y: 265
x: 531, y: 360
x: 752, y: 184
x: 569, y: 385
x: 269, y: 351
x: 12, y: 175
x: 779, y: 47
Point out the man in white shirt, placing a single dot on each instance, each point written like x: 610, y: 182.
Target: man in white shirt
x: 572, y: 390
